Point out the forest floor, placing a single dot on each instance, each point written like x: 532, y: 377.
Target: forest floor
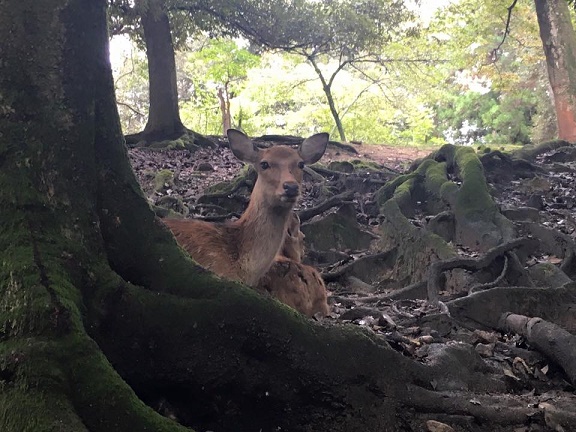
x: 411, y: 325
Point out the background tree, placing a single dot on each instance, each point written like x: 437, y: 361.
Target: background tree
x: 348, y: 32
x: 164, y: 115
x: 495, y: 89
x: 222, y: 66
x: 559, y: 42
x: 148, y: 21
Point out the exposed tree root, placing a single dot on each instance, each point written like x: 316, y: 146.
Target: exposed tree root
x: 437, y: 268
x: 548, y: 338
x: 346, y: 269
x: 182, y: 137
x: 334, y: 201
x: 484, y: 309
x: 483, y: 408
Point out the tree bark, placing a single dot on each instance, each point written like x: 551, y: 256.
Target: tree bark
x: 56, y: 108
x: 224, y: 99
x: 559, y: 41
x: 164, y: 115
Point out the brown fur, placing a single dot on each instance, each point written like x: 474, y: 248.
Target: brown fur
x: 244, y: 250
x: 297, y: 285
x: 293, y: 283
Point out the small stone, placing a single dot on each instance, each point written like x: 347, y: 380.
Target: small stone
x: 204, y: 167
x: 485, y: 350
x: 485, y: 337
x: 436, y: 426
x: 535, y: 201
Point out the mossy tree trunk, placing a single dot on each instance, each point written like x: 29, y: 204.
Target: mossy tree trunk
x: 559, y: 41
x: 56, y: 113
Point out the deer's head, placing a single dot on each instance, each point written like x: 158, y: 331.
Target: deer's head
x: 280, y: 169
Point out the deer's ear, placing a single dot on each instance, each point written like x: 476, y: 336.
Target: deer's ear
x: 312, y: 149
x: 242, y: 146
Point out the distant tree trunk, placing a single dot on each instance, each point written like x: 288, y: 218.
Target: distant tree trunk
x: 164, y: 115
x: 224, y: 98
x: 559, y: 41
x: 327, y: 88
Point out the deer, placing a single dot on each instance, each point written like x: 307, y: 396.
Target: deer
x: 244, y: 250
x: 293, y: 283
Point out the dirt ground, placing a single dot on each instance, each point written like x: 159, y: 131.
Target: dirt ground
x: 389, y: 156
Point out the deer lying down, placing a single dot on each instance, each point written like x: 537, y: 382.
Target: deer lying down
x: 244, y: 250
x: 293, y: 283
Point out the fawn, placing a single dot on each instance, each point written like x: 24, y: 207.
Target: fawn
x: 293, y: 283
x: 244, y: 250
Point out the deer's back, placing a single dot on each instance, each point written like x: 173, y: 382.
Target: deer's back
x: 213, y: 246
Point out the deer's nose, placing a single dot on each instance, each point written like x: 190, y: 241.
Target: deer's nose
x: 291, y: 189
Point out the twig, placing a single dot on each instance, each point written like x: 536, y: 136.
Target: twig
x: 436, y: 269
x: 334, y: 201
x: 335, y: 275
x: 494, y: 53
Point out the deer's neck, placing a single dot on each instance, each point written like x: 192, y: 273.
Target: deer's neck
x: 261, y: 235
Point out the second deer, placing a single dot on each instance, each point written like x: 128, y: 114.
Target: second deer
x: 244, y: 250
x: 298, y: 285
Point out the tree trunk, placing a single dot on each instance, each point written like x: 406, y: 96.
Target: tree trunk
x: 164, y: 115
x: 57, y: 110
x: 327, y: 88
x: 559, y: 41
x: 224, y: 99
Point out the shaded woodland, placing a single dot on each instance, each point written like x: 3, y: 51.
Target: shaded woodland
x: 451, y: 278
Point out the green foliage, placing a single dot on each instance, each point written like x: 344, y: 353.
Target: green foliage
x: 219, y: 64
x: 131, y: 82
x: 491, y: 117
x: 495, y: 92
x: 389, y: 83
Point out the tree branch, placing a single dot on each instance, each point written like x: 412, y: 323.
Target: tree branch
x: 494, y: 53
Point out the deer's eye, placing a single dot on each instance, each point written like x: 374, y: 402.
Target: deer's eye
x: 264, y: 165
x: 301, y: 165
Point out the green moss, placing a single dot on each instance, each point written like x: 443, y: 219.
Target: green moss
x: 529, y: 152
x: 482, y: 149
x: 341, y: 166
x: 449, y: 192
x: 403, y: 195
x: 163, y: 179
x: 473, y: 201
x: 446, y: 153
x: 365, y: 165
x: 387, y: 191
x: 246, y: 174
x: 435, y: 178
